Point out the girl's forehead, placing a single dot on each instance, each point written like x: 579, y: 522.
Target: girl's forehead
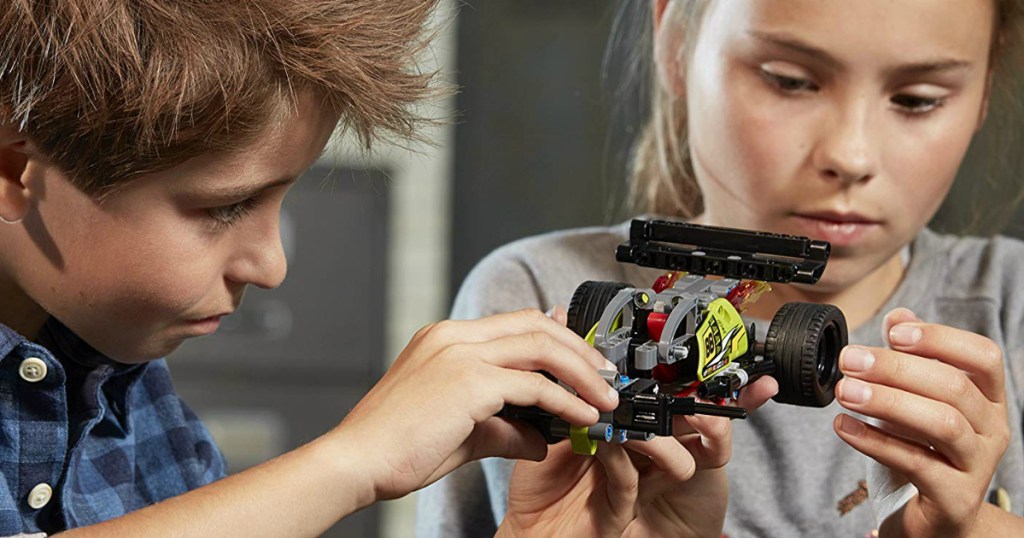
x: 880, y: 29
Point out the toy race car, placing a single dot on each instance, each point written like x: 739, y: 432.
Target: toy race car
x: 684, y: 335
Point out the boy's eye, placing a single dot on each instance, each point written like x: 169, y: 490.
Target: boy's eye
x: 229, y: 214
x: 914, y: 104
x: 788, y: 84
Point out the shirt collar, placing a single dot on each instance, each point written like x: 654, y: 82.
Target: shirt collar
x: 9, y: 339
x: 68, y: 346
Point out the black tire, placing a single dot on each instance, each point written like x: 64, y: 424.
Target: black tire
x: 588, y: 303
x: 804, y: 341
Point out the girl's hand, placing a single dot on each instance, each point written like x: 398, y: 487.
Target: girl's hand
x: 434, y: 408
x: 664, y: 487
x: 940, y: 396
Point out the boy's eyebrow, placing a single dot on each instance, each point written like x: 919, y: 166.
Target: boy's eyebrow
x: 232, y: 192
x: 799, y: 46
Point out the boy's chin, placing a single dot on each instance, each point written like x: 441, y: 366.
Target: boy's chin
x: 144, y: 353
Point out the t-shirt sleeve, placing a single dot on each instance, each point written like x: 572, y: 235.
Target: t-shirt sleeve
x: 502, y: 282
x: 1012, y: 302
x: 461, y: 504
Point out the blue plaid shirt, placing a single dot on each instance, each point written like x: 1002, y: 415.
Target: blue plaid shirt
x: 105, y: 438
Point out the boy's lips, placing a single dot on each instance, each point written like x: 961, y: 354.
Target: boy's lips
x: 838, y: 228
x: 207, y: 325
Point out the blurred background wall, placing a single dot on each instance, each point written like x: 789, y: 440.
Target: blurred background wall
x: 379, y: 243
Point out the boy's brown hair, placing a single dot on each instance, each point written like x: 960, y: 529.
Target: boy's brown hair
x: 112, y: 89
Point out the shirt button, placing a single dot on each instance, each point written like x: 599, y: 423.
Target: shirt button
x: 40, y: 495
x: 32, y: 369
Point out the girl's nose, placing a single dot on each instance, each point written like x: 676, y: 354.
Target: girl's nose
x: 848, y: 147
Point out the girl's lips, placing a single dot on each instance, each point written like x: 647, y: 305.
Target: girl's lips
x: 840, y: 231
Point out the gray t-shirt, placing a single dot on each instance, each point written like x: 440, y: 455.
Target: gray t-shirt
x: 789, y: 470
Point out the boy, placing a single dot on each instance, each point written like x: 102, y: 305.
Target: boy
x: 145, y: 148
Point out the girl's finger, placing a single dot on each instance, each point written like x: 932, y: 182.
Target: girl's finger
x: 895, y: 316
x: 751, y: 397
x: 712, y: 448
x: 559, y: 314
x: 931, y: 423
x: 757, y: 393
x: 666, y: 456
x: 928, y: 378
x: 666, y: 464
x: 923, y: 467
x: 975, y: 354
x: 623, y: 479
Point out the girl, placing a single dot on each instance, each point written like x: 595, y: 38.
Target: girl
x: 842, y: 121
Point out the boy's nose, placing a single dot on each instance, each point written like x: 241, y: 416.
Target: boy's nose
x: 260, y: 262
x: 848, y: 149
x: 271, y: 267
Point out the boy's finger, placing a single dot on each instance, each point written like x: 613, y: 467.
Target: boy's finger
x: 447, y: 332
x: 970, y: 352
x: 539, y: 351
x: 495, y: 437
x: 531, y: 388
x: 511, y: 439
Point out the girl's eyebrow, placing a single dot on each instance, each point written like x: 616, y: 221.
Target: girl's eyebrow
x: 831, y: 62
x: 796, y: 45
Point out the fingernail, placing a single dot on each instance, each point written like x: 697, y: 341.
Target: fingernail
x: 595, y: 413
x: 850, y: 425
x: 856, y: 359
x: 609, y: 365
x: 854, y: 391
x: 613, y: 395
x: 905, y: 335
x: 550, y: 312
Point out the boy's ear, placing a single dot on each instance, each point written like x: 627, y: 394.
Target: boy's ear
x: 14, y: 159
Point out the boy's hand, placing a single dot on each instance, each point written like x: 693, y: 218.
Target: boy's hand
x: 667, y: 486
x: 434, y: 408
x: 940, y: 394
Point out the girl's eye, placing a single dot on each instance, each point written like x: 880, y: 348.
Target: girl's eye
x: 230, y: 214
x: 788, y: 84
x: 913, y: 104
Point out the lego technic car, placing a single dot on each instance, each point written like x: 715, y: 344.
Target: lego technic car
x: 684, y: 336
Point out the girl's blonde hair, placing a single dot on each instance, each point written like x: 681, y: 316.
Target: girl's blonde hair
x: 113, y: 89
x: 661, y: 177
